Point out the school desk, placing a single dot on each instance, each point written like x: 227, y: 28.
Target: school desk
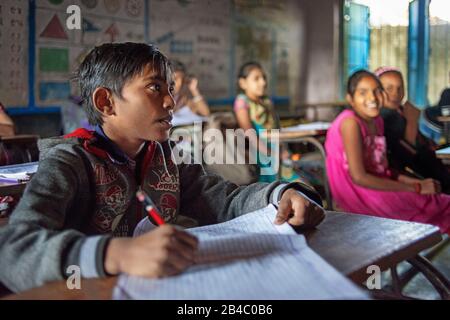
x: 443, y: 153
x: 349, y: 242
x: 16, y: 188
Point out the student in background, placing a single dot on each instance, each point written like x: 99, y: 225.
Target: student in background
x: 188, y: 99
x: 80, y: 208
x: 254, y: 110
x: 445, y: 97
x: 7, y: 127
x: 407, y: 148
x: 360, y: 178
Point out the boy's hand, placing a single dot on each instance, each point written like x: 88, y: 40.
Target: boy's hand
x: 162, y: 252
x: 297, y: 210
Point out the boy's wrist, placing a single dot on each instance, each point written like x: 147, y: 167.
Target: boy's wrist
x: 112, y: 256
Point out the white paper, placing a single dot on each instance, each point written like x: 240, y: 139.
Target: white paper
x: 443, y: 151
x: 185, y: 116
x: 246, y: 258
x: 308, y: 127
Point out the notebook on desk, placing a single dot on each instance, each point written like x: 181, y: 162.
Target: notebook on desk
x: 247, y: 258
x: 18, y: 172
x: 319, y: 126
x: 444, y: 151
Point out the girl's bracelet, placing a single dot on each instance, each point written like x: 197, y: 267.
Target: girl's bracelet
x: 417, y: 187
x: 197, y: 98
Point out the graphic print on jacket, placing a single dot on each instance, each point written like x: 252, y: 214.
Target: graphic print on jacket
x: 116, y: 209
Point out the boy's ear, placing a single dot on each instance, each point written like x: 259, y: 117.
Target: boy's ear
x: 103, y: 101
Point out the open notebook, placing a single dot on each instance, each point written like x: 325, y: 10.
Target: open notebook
x: 245, y: 258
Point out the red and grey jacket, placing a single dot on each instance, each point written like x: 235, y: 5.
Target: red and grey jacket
x: 83, y: 193
x: 116, y: 179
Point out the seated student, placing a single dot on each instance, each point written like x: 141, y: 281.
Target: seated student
x: 405, y: 145
x: 360, y: 178
x: 254, y: 110
x: 188, y: 100
x: 80, y: 207
x: 7, y: 127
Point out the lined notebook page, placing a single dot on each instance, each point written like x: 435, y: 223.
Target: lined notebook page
x: 246, y: 258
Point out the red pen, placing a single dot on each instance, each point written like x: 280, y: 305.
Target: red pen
x: 150, y: 207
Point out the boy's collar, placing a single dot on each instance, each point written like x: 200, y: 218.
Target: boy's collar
x: 111, y: 148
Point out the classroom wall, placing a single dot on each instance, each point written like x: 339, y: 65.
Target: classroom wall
x: 320, y: 66
x: 295, y: 40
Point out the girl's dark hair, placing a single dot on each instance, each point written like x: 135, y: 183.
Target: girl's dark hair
x: 178, y: 66
x: 356, y: 77
x: 111, y: 65
x: 245, y: 70
x: 247, y: 67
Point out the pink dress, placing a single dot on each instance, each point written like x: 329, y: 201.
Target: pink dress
x: 409, y: 206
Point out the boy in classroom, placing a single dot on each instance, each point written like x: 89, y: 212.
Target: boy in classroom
x: 360, y: 178
x: 407, y: 148
x: 80, y: 208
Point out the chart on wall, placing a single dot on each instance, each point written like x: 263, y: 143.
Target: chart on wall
x: 59, y: 50
x: 214, y: 37
x: 196, y: 33
x: 13, y: 52
x: 263, y: 31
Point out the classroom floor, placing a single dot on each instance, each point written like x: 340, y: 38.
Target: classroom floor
x: 419, y: 287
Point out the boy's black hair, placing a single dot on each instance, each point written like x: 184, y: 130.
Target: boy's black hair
x: 356, y: 77
x: 111, y: 65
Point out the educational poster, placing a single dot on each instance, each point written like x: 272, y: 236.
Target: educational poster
x: 213, y: 38
x: 14, y: 53
x: 59, y: 51
x: 262, y: 31
x: 196, y: 33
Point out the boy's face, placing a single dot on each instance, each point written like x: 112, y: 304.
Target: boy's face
x: 145, y: 110
x: 393, y: 86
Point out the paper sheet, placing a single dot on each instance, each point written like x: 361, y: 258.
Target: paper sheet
x: 308, y: 126
x: 246, y: 258
x: 185, y: 116
x: 443, y: 151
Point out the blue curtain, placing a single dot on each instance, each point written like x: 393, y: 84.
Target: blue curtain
x: 418, y: 52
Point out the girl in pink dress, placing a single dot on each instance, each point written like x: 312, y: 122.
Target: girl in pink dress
x: 358, y: 170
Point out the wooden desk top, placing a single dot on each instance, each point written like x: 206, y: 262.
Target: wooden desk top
x: 12, y: 188
x: 20, y: 138
x: 3, y: 221
x: 349, y: 242
x: 287, y: 135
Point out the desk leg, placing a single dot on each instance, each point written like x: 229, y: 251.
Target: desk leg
x: 436, y: 278
x: 321, y: 149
